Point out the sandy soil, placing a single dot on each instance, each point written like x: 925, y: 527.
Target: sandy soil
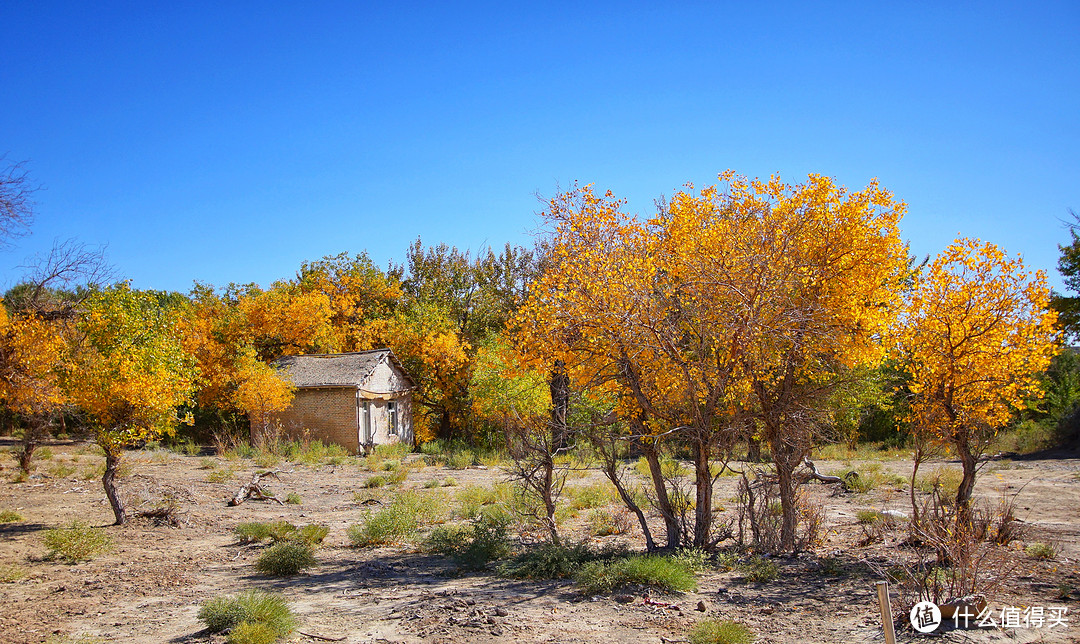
x: 150, y: 586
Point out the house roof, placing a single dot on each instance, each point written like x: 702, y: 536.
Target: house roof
x: 338, y: 369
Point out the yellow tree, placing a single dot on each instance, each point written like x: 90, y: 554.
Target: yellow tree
x: 358, y: 293
x: 130, y: 373
x: 32, y: 357
x: 227, y: 334
x: 819, y: 287
x: 977, y: 333
x: 261, y: 393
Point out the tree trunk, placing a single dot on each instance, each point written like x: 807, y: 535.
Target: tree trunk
x: 967, y: 483
x: 559, y: 385
x: 703, y: 516
x: 663, y: 502
x: 786, y: 483
x: 32, y: 436
x: 108, y: 481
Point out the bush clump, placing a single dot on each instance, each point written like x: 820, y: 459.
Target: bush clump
x: 286, y: 558
x: 760, y: 569
x: 77, y: 542
x: 252, y: 531
x: 474, y: 545
x: 667, y: 574
x: 711, y: 631
x: 253, y: 607
x: 554, y: 561
x: 395, y: 523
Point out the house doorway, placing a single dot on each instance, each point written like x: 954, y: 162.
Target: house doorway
x: 364, y: 421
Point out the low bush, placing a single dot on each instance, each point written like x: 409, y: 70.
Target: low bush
x: 219, y: 475
x: 943, y: 479
x: 286, y: 558
x: 554, y: 561
x: 395, y: 523
x: 711, y: 631
x: 663, y: 573
x: 313, y: 533
x: 251, y: 607
x: 868, y: 516
x: 759, y: 569
x: 77, y: 542
x: 61, y: 470
x: 10, y: 516
x: 252, y: 531
x: 1042, y: 551
x: 252, y: 633
x: 588, y: 496
x: 292, y: 498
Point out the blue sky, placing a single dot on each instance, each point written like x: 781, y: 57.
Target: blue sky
x: 229, y: 142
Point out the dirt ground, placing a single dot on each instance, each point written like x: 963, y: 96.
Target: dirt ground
x: 149, y: 587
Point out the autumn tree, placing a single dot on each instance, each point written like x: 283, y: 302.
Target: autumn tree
x: 977, y: 335
x: 358, y: 292
x: 130, y: 373
x: 33, y: 354
x: 741, y: 302
x: 16, y: 201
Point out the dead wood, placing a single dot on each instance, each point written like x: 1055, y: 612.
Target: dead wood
x: 253, y: 490
x: 321, y: 637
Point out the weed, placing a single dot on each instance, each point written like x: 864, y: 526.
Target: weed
x: 236, y: 452
x: 207, y: 463
x: 375, y: 482
x: 943, y: 479
x: 831, y: 566
x: 554, y: 561
x: 10, y: 516
x: 219, y: 475
x: 669, y: 467
x: 589, y: 496
x: 266, y: 458
x: 286, y: 558
x: 395, y: 523
x: 759, y: 569
x: 663, y: 573
x: 711, y: 631
x: 471, y: 546
x: 77, y: 542
x: 868, y: 516
x: 252, y: 607
x: 473, y: 498
x: 449, y: 482
x: 43, y: 454
x: 313, y: 533
x: 292, y: 498
x: 604, y: 522
x: 280, y: 530
x: 251, y: 532
x: 460, y: 460
x: 11, y: 573
x: 1042, y: 551
x: 431, y: 483
x: 251, y: 633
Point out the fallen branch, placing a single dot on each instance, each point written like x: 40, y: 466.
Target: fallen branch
x: 320, y: 637
x: 254, y: 490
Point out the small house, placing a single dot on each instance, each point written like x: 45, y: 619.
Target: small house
x: 356, y: 400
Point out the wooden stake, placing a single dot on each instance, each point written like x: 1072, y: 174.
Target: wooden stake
x: 886, y: 612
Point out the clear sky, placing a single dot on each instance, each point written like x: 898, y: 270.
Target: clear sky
x: 230, y: 141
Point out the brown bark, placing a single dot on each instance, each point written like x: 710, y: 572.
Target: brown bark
x: 663, y: 501
x: 703, y: 515
x: 108, y: 481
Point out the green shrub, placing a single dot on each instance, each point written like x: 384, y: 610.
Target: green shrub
x: 551, y: 561
x: 1043, y: 551
x: 252, y: 531
x: 759, y: 569
x: 11, y: 573
x: 588, y: 496
x: 449, y: 482
x: 711, y: 631
x: 10, y: 516
x: 242, y: 450
x: 313, y: 533
x: 474, y: 545
x: 460, y: 460
x: 868, y: 516
x: 431, y: 484
x: 375, y: 482
x: 663, y: 573
x: 395, y: 523
x: 286, y: 558
x: 292, y: 498
x: 252, y: 633
x: 207, y: 463
x: 473, y: 498
x: 447, y: 540
x: 43, y: 453
x: 77, y: 542
x: 253, y: 607
x: 220, y: 475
